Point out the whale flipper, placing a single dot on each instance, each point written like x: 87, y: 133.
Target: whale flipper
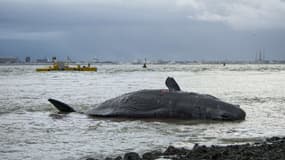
x: 171, y: 84
x: 62, y: 107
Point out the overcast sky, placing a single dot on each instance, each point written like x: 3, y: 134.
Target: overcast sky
x: 125, y: 30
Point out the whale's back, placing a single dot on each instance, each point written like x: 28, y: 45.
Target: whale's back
x: 143, y: 103
x: 152, y: 104
x: 167, y: 104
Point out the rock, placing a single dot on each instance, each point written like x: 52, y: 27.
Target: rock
x: 151, y: 155
x: 174, y: 151
x: 201, y: 149
x: 132, y: 156
x: 118, y: 158
x: 196, y: 145
x: 273, y: 139
x: 272, y: 148
x: 90, y: 158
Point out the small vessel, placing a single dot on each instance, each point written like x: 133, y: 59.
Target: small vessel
x: 144, y: 65
x: 61, y: 66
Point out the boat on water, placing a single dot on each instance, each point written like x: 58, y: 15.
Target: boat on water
x: 62, y: 66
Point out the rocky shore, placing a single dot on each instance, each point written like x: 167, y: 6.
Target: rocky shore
x: 271, y: 149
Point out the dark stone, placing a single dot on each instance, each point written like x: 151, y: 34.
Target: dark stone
x: 201, y: 149
x: 270, y: 149
x: 196, y: 145
x: 118, y: 158
x: 132, y: 156
x: 90, y: 158
x: 171, y: 150
x: 273, y: 149
x: 216, y: 156
x: 274, y: 139
x: 151, y: 155
x: 175, y: 151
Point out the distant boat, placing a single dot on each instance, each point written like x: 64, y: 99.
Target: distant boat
x: 61, y: 66
x: 144, y: 65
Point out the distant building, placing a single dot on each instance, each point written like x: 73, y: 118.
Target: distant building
x: 260, y: 57
x: 9, y: 60
x: 45, y: 60
x: 53, y: 59
x: 28, y: 60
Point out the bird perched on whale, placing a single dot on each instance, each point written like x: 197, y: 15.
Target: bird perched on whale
x: 163, y: 103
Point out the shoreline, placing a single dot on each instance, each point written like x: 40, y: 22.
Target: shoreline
x: 270, y: 149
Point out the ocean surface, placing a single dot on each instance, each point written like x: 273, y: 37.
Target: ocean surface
x: 31, y: 129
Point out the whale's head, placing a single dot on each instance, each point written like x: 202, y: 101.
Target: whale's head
x: 224, y: 111
x: 215, y: 109
x: 200, y: 106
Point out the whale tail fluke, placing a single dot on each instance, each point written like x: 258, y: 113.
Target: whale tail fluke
x: 171, y: 84
x: 62, y: 107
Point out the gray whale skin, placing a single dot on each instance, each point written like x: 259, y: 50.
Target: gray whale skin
x: 164, y: 103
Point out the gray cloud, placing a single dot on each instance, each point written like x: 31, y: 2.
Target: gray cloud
x: 130, y: 29
x: 239, y: 14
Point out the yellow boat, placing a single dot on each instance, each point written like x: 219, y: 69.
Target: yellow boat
x: 61, y: 66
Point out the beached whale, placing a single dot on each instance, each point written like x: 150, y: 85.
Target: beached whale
x: 163, y: 103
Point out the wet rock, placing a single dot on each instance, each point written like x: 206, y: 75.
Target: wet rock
x: 273, y: 139
x: 90, y: 158
x: 271, y: 149
x: 151, y: 155
x: 171, y: 150
x: 196, y: 145
x: 132, y: 156
x: 118, y: 158
x: 175, y: 151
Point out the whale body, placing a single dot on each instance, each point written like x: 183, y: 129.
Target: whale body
x: 163, y: 103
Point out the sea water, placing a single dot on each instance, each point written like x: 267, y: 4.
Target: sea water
x: 30, y: 127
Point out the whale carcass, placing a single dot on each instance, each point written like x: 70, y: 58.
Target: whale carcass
x: 163, y: 103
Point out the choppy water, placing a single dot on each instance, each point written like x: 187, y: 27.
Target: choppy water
x: 30, y: 129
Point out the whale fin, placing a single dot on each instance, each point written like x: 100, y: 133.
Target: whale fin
x: 62, y: 107
x: 171, y: 84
